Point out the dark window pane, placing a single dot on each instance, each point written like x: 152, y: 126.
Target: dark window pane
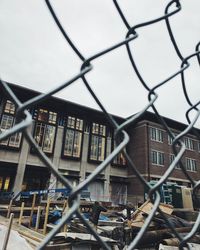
x: 69, y: 140
x: 77, y: 144
x: 49, y: 139
x: 6, y: 123
x: 43, y: 115
x: 9, y: 107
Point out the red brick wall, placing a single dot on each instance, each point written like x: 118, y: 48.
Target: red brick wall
x: 139, y: 149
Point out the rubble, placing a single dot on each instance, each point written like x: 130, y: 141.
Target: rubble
x: 117, y: 226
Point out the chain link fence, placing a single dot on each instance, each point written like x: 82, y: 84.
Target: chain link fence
x: 25, y: 120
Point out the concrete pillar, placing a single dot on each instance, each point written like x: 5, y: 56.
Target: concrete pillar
x: 107, y: 173
x: 56, y: 155
x: 83, y: 165
x: 21, y: 165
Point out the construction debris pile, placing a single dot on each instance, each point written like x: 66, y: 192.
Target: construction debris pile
x: 116, y: 225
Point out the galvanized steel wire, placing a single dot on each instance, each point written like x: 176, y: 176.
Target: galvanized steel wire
x: 25, y: 120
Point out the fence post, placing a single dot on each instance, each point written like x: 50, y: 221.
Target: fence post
x: 32, y: 209
x: 46, y: 216
x: 21, y: 213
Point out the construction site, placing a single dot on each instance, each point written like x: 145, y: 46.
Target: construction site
x: 99, y: 125
x: 26, y: 222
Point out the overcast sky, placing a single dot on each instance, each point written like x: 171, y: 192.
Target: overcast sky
x: 34, y: 54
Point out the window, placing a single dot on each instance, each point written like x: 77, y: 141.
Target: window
x: 156, y: 134
x: 191, y: 164
x: 73, y: 137
x: 170, y: 139
x: 7, y: 122
x: 45, y: 130
x: 189, y: 143
x: 157, y: 157
x: 171, y: 159
x: 119, y: 159
x: 198, y: 146
x: 97, y: 142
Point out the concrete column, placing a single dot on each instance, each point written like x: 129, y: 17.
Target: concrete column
x: 107, y: 173
x: 83, y: 165
x: 21, y: 165
x: 56, y: 155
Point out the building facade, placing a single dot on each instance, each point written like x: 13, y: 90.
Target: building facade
x: 151, y: 151
x: 77, y: 139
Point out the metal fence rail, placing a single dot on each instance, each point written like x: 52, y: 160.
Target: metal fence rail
x: 133, y: 32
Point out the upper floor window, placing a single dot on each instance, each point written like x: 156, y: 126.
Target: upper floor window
x: 156, y: 134
x: 189, y: 143
x: 191, y: 164
x: 45, y: 130
x: 170, y: 139
x: 157, y: 157
x: 97, y: 142
x: 119, y: 159
x: 73, y: 137
x: 9, y: 107
x: 171, y: 159
x: 198, y: 146
x: 8, y: 121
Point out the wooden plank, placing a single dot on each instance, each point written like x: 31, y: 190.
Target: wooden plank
x: 8, y: 232
x: 38, y: 218
x: 22, y: 230
x: 32, y: 209
x: 21, y: 213
x: 65, y: 210
x: 46, y: 216
x: 9, y: 208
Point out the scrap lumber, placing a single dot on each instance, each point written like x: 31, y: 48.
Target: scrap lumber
x: 68, y: 237
x: 23, y: 230
x: 15, y: 242
x: 46, y: 216
x: 21, y: 213
x: 9, y: 208
x: 157, y: 236
x: 176, y: 242
x: 193, y: 247
x: 32, y: 209
x: 138, y: 218
x: 38, y: 218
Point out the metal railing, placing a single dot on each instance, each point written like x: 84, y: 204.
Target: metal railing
x: 25, y: 120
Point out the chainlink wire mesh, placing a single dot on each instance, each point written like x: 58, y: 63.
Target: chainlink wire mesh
x: 25, y: 120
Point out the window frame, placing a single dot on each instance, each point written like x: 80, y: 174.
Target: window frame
x: 157, y: 158
x: 191, y: 161
x: 113, y: 163
x: 66, y: 127
x: 188, y: 142
x: 45, y: 123
x: 198, y: 146
x: 156, y: 134
x: 99, y: 136
x: 170, y: 161
x: 13, y: 116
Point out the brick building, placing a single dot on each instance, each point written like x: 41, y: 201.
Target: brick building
x: 150, y: 148
x: 77, y: 139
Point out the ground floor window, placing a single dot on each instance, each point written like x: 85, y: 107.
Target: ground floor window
x: 96, y: 189
x: 118, y: 193
x: 4, y: 183
x: 36, y: 178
